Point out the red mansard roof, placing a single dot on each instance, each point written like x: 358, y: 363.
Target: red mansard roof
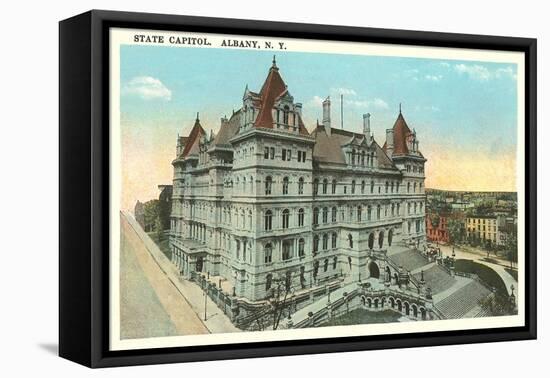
x: 400, y: 133
x: 194, y: 136
x: 273, y: 88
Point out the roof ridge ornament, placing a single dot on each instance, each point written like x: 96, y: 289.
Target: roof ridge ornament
x: 274, y: 65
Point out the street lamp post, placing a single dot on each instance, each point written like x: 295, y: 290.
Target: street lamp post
x: 205, y: 298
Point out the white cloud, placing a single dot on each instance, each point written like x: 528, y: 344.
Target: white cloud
x: 482, y: 73
x: 434, y: 78
x: 147, y: 88
x: 316, y: 101
x: 343, y: 91
x: 376, y: 103
x: 506, y: 72
x: 445, y: 64
x: 474, y: 71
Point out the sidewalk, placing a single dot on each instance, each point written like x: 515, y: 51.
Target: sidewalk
x: 499, y: 269
x: 216, y: 321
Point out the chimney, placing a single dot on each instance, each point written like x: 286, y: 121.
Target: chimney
x: 366, y: 125
x: 326, y: 115
x: 298, y: 107
x: 389, y: 142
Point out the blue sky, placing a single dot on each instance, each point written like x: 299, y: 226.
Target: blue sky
x: 463, y: 106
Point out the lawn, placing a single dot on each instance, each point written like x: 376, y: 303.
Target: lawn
x: 513, y: 273
x: 361, y: 316
x: 163, y: 244
x: 486, y: 274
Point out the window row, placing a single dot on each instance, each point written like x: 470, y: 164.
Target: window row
x: 286, y: 154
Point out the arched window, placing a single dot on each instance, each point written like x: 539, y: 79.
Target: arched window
x: 378, y: 212
x: 334, y: 262
x: 391, y: 189
x: 359, y: 213
x: 300, y: 217
x: 286, y: 217
x: 325, y: 242
x: 325, y: 266
x: 408, y: 187
x: 315, y: 216
x: 369, y: 212
x: 325, y: 214
x: 242, y: 219
x: 301, y: 247
x: 381, y: 239
x: 334, y: 240
x: 325, y: 186
x: 363, y: 158
x: 285, y: 115
x: 268, y: 220
x: 268, y: 184
x: 371, y: 240
x: 353, y: 157
x: 333, y: 215
x: 268, y: 253
x: 315, y: 187
x: 387, y: 186
x: 353, y: 187
x: 414, y: 208
x: 390, y: 236
x: 363, y: 187
x: 372, y: 187
x: 285, y: 185
x: 414, y: 186
x: 301, y: 185
x: 238, y: 249
x: 333, y: 186
x: 287, y: 250
x: 315, y: 243
x: 268, y: 280
x: 350, y: 240
x: 392, y: 209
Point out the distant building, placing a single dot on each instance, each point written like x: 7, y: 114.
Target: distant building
x: 483, y: 227
x: 436, y: 228
x: 165, y: 205
x: 139, y: 214
x: 461, y: 205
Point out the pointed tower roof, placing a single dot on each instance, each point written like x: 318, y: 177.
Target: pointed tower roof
x: 194, y: 137
x: 400, y: 133
x: 273, y: 87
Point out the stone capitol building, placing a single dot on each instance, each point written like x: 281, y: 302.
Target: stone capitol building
x: 265, y: 201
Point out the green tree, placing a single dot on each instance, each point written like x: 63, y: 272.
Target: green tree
x: 151, y: 214
x: 511, y: 248
x: 456, y: 231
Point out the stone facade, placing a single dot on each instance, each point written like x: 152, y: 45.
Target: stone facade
x: 265, y: 200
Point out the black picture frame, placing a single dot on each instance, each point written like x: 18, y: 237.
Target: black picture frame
x: 84, y: 189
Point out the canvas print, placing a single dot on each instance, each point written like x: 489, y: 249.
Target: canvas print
x: 275, y: 189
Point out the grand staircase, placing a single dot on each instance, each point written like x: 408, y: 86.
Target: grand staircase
x: 460, y: 295
x: 437, y: 278
x: 463, y: 301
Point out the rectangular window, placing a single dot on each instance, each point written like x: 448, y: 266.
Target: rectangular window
x: 288, y: 155
x: 272, y: 153
x: 266, y: 153
x: 284, y: 153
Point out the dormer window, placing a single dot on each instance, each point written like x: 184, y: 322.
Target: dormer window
x: 285, y: 114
